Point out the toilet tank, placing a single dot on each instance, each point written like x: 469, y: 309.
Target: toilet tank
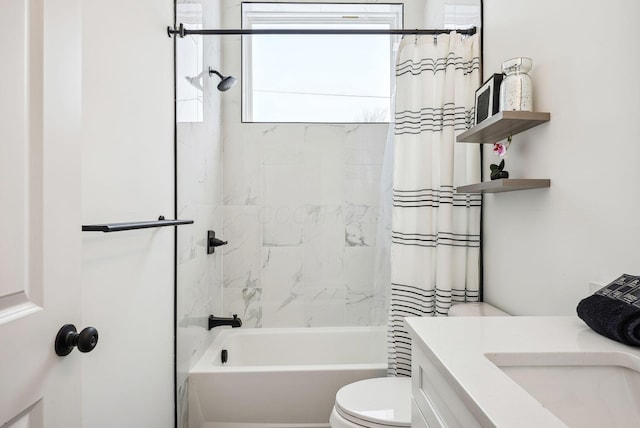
x: 476, y: 309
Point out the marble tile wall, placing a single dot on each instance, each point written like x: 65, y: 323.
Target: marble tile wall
x: 199, y: 169
x: 301, y: 216
x: 301, y: 211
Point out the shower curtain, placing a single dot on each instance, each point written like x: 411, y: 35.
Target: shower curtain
x: 435, y: 242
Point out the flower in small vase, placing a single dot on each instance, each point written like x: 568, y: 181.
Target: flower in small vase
x: 501, y: 148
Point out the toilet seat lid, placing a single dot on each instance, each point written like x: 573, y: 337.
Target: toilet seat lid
x: 382, y: 401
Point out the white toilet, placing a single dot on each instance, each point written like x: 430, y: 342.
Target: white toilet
x: 386, y: 402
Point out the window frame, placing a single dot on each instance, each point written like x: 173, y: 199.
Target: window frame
x: 281, y: 18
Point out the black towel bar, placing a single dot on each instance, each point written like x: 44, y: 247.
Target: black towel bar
x: 118, y: 227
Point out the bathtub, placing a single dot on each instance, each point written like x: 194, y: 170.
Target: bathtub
x: 281, y: 377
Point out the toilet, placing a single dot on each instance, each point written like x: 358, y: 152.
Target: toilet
x: 386, y: 401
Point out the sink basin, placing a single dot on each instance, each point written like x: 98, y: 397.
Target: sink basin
x: 600, y: 389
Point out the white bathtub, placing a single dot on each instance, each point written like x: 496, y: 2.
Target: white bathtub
x: 281, y: 377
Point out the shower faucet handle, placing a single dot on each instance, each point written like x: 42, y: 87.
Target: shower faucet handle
x: 213, y: 242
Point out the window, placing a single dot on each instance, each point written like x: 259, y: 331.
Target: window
x: 318, y: 78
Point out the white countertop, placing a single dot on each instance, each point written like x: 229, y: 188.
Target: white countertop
x: 463, y: 346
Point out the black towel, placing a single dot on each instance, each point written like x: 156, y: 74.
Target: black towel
x: 614, y: 310
x: 612, y: 318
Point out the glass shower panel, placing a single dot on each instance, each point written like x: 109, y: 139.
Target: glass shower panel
x: 190, y: 72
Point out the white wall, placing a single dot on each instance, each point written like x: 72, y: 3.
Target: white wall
x: 543, y: 247
x: 127, y: 176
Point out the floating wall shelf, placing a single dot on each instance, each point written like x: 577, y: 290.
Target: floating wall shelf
x: 496, y: 128
x: 505, y: 185
x: 501, y: 125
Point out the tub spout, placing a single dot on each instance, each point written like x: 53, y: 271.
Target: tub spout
x: 218, y: 321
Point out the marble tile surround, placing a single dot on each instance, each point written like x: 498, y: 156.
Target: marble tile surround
x: 315, y: 187
x: 298, y: 207
x: 301, y: 218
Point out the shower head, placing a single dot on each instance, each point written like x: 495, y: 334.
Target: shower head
x: 225, y: 82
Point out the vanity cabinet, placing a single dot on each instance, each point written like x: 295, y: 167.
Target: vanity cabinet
x: 497, y: 128
x: 417, y: 418
x: 524, y: 372
x: 435, y: 403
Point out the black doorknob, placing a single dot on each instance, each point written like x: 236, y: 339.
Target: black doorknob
x: 68, y: 338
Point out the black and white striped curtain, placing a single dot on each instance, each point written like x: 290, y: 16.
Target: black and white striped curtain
x: 435, y: 243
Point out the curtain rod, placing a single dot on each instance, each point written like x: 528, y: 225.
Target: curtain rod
x: 182, y: 32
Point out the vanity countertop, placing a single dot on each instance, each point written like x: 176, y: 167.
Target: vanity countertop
x: 466, y: 349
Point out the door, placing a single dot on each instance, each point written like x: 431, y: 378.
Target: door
x: 40, y: 207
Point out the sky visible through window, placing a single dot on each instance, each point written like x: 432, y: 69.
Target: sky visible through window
x: 326, y: 78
